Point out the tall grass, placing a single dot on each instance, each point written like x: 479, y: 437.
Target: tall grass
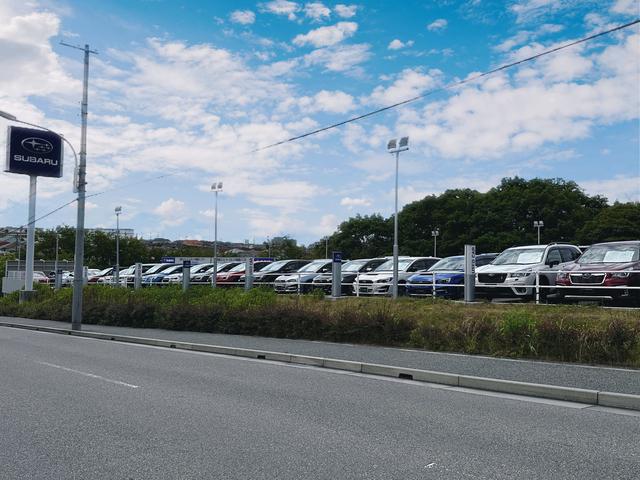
x: 565, y: 333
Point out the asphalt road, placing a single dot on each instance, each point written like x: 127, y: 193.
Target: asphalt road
x: 75, y: 408
x: 570, y: 375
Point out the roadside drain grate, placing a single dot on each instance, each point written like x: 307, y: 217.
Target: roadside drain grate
x: 172, y: 346
x: 406, y: 376
x: 261, y: 357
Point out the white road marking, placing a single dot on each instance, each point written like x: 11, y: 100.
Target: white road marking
x: 87, y: 374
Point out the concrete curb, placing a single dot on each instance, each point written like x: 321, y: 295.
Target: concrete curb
x: 554, y: 392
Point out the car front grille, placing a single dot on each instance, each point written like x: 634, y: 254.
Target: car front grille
x: 365, y: 281
x: 492, y: 277
x: 587, y: 278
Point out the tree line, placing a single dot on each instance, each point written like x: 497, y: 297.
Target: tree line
x: 500, y: 218
x: 495, y: 220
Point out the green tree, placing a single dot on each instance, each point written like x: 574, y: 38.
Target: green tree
x: 363, y: 237
x: 621, y: 221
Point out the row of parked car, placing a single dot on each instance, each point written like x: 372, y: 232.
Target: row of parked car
x: 605, y: 271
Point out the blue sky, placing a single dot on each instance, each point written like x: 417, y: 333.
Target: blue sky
x: 189, y: 88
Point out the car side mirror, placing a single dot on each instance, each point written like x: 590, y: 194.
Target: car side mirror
x: 553, y: 263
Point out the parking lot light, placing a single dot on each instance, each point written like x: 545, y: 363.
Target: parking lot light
x: 118, y: 211
x: 434, y: 233
x: 538, y: 224
x: 395, y: 147
x: 216, y: 188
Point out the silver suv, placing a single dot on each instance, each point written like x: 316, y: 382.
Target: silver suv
x: 513, y: 272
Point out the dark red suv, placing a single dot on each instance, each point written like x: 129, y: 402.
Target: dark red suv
x: 605, y: 272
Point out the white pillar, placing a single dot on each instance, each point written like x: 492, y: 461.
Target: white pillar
x: 31, y: 233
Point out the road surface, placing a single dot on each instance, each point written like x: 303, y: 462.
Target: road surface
x: 76, y: 408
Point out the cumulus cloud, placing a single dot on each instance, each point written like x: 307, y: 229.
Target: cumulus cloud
x: 327, y: 101
x: 351, y: 203
x: 339, y: 58
x: 317, y: 11
x: 437, y: 25
x: 327, y: 36
x: 172, y: 212
x: 243, y: 17
x: 282, y: 7
x: 399, y: 44
x: 619, y: 188
x: 345, y: 11
x: 626, y: 7
x: 409, y: 83
x: 548, y: 105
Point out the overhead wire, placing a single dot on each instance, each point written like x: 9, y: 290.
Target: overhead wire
x: 446, y: 87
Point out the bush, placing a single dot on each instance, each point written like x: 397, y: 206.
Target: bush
x: 567, y: 333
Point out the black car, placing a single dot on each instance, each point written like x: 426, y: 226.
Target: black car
x: 350, y: 271
x: 268, y: 274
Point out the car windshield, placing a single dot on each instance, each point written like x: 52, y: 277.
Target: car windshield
x: 403, y: 264
x: 199, y: 268
x: 158, y: 268
x: 174, y: 269
x: 238, y: 268
x: 353, y: 266
x: 127, y: 271
x: 446, y: 264
x: 274, y: 266
x: 611, y: 254
x: 314, y: 266
x: 519, y: 256
x: 104, y: 272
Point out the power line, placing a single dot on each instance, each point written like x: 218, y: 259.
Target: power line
x: 374, y: 112
x: 447, y: 87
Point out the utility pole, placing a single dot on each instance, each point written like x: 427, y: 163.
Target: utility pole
x: 78, y: 266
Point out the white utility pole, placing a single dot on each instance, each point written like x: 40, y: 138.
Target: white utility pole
x: 396, y: 147
x: 78, y: 265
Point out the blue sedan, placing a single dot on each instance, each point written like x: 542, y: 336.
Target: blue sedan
x: 448, y: 272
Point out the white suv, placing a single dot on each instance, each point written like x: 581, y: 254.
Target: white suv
x: 513, y: 272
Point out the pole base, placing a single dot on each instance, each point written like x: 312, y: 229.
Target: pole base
x: 26, y: 295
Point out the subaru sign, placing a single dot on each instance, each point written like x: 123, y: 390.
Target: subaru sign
x: 34, y: 152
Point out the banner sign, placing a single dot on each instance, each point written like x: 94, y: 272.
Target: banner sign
x: 337, y: 257
x: 33, y: 152
x: 168, y: 259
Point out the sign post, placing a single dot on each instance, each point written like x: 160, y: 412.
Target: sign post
x: 35, y: 153
x: 469, y: 273
x: 186, y: 275
x: 336, y: 275
x: 248, y: 274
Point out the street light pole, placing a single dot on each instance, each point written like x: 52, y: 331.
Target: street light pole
x: 538, y: 224
x: 118, y: 211
x: 434, y: 233
x: 216, y: 188
x: 55, y: 268
x: 394, y: 147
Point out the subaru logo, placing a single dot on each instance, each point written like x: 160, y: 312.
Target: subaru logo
x: 37, y: 145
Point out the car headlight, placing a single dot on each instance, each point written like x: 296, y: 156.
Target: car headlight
x: 519, y: 274
x: 620, y: 274
x: 562, y: 276
x: 384, y: 280
x: 443, y: 280
x: 291, y: 280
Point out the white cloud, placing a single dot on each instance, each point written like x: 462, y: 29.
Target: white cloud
x: 619, y: 188
x: 533, y: 10
x: 339, y: 58
x: 327, y: 101
x: 408, y: 84
x: 399, y: 44
x: 317, y: 11
x: 437, y: 25
x: 282, y: 7
x: 326, y: 226
x: 626, y: 7
x: 327, y: 36
x: 345, y: 11
x: 355, y: 202
x: 243, y: 17
x: 503, y: 115
x: 172, y: 212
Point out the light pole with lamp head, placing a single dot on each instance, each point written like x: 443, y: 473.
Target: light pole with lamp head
x: 216, y: 188
x: 118, y: 211
x: 434, y: 233
x: 396, y: 147
x: 538, y: 224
